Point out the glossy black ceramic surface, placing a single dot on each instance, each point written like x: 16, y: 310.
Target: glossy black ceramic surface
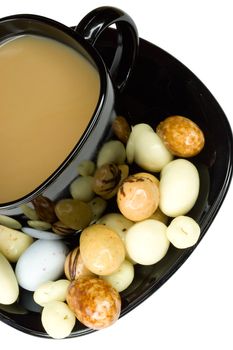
x: 159, y: 86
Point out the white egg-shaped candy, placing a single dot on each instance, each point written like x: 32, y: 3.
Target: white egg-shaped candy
x: 146, y: 241
x: 9, y: 289
x: 179, y: 187
x: 50, y: 291
x: 122, y: 277
x: 146, y: 149
x: 57, y: 319
x: 43, y: 261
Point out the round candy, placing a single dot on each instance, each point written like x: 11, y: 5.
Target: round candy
x: 95, y: 303
x: 101, y: 249
x: 138, y: 197
x: 147, y: 242
x: 181, y: 136
x: 183, y: 232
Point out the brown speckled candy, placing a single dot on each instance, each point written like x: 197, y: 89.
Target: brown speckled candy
x: 181, y: 136
x: 45, y: 209
x: 121, y: 129
x: 74, y: 213
x: 94, y: 302
x: 108, y: 178
x: 138, y: 196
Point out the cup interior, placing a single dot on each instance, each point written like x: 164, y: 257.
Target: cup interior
x: 23, y: 25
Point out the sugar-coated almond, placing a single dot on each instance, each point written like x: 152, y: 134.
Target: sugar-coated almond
x: 95, y: 302
x: 181, y: 136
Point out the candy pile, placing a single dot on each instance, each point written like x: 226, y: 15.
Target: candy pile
x: 84, y: 280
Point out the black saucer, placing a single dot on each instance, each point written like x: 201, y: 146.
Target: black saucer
x: 159, y: 86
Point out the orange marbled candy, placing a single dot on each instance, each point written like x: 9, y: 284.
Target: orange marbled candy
x: 94, y: 302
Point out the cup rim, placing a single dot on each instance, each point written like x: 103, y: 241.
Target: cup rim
x: 102, y: 71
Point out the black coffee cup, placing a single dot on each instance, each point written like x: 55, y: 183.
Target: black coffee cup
x: 113, y: 79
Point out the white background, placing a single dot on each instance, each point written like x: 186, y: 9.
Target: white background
x: 194, y: 309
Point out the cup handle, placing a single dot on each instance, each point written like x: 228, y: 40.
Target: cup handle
x: 93, y: 25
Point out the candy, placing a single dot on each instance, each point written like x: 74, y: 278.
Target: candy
x: 179, y: 187
x: 10, y: 222
x: 183, y: 232
x: 61, y: 229
x: 13, y: 243
x: 111, y: 152
x: 43, y: 261
x: 146, y: 149
x: 57, y: 319
x: 74, y: 266
x: 108, y: 178
x: 102, y: 250
x: 119, y: 224
x: 29, y: 212
x: 81, y: 188
x: 121, y: 129
x: 122, y: 277
x: 95, y: 302
x: 9, y: 289
x: 98, y: 206
x: 138, y: 197
x: 181, y: 136
x: 40, y: 234
x: 45, y: 209
x: 39, y: 225
x: 74, y: 213
x: 86, y: 168
x: 51, y: 291
x: 147, y: 242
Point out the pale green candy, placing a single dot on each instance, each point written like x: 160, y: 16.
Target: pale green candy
x: 86, y: 168
x: 111, y: 152
x: 29, y: 212
x: 98, y: 206
x: 10, y: 222
x: 81, y: 188
x: 39, y: 225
